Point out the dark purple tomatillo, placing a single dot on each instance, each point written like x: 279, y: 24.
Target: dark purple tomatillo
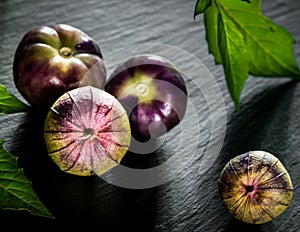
x: 153, y: 93
x: 50, y: 60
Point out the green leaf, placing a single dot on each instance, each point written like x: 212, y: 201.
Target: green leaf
x: 9, y: 103
x: 15, y: 189
x: 211, y: 22
x: 270, y: 46
x: 246, y: 42
x: 201, y: 6
x: 234, y: 56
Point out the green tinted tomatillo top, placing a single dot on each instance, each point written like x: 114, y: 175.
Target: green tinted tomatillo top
x: 51, y: 60
x: 66, y: 52
x: 140, y: 86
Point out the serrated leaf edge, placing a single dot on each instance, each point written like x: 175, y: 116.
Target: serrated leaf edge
x: 24, y: 180
x: 203, y: 8
x: 249, y: 35
x: 21, y: 108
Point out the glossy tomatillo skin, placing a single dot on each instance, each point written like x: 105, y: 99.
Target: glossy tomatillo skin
x: 87, y: 131
x: 153, y: 93
x: 255, y: 187
x: 51, y: 60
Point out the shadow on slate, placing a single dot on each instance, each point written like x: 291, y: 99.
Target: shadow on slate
x: 236, y: 226
x: 250, y: 127
x: 153, y: 158
x: 76, y: 202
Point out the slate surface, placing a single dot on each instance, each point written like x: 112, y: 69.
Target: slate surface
x: 268, y: 120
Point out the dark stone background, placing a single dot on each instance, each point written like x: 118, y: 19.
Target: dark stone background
x: 268, y: 120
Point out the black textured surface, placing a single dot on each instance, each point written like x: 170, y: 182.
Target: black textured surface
x: 268, y: 120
